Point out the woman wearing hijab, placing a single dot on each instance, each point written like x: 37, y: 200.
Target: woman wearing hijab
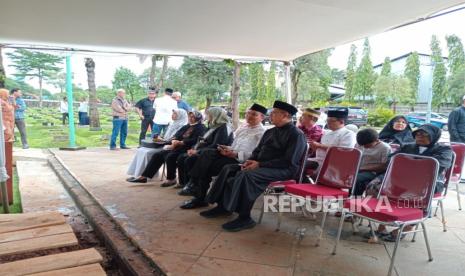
x: 397, y: 131
x: 426, y: 144
x: 184, y: 139
x: 219, y: 132
x: 143, y: 155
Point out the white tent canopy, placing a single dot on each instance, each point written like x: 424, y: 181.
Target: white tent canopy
x: 241, y: 29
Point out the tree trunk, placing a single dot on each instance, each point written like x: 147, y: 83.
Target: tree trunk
x: 235, y: 94
x: 295, y: 76
x: 152, y: 72
x: 40, y: 88
x: 2, y: 70
x: 163, y: 71
x: 209, y: 102
x: 93, y: 110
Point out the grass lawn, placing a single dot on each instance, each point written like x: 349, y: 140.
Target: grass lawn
x: 40, y: 136
x: 16, y: 207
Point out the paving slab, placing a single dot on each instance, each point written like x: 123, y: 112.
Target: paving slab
x: 181, y: 242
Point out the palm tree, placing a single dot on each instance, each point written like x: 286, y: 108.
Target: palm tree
x: 93, y: 110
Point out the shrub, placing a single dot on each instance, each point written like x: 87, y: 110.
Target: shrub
x: 379, y: 116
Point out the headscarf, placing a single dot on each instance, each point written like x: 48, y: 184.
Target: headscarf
x: 173, y: 127
x: 218, y: 117
x: 198, y: 116
x: 389, y: 135
x: 434, y: 133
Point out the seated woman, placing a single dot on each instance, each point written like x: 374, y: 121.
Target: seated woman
x: 397, y: 131
x: 183, y: 140
x: 143, y: 155
x: 219, y: 133
x: 426, y: 144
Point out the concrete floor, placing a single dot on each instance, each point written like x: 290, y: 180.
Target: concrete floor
x: 182, y: 242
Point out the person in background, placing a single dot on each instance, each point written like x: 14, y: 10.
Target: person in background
x: 82, y: 113
x: 120, y: 108
x: 8, y: 115
x: 337, y: 136
x: 397, y: 131
x: 456, y: 123
x: 375, y: 154
x: 64, y: 110
x: 308, y: 125
x: 144, y: 109
x: 20, y: 108
x: 163, y: 106
x: 352, y: 127
x: 181, y: 103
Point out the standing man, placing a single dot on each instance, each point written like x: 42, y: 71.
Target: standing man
x: 456, y: 123
x: 146, y: 113
x: 64, y: 110
x: 20, y: 107
x: 164, y: 107
x: 181, y: 103
x: 119, y: 107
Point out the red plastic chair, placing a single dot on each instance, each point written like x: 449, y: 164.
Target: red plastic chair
x: 439, y: 197
x: 407, y: 189
x: 277, y: 188
x: 459, y: 150
x: 335, y: 179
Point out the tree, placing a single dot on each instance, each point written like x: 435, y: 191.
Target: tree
x: 337, y: 76
x: 163, y: 71
x: 313, y: 66
x: 58, y: 79
x: 126, y: 79
x: 386, y: 69
x: 257, y: 81
x: 38, y: 65
x: 456, y: 85
x: 412, y: 73
x: 365, y: 77
x: 439, y: 73
x: 270, y: 94
x: 93, y: 110
x: 456, y: 54
x: 208, y: 79
x: 393, y: 89
x: 236, y: 84
x: 350, y: 73
x: 2, y: 70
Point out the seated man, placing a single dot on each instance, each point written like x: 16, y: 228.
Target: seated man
x: 337, y: 136
x: 211, y: 161
x: 277, y: 157
x: 374, y: 158
x: 308, y: 125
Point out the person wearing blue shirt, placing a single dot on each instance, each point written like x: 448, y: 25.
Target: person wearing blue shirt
x: 20, y: 108
x: 181, y: 103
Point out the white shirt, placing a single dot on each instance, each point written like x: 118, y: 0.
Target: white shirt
x: 82, y: 107
x: 337, y: 138
x: 63, y: 107
x: 164, y: 109
x: 246, y: 139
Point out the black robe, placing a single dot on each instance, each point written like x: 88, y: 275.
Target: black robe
x: 279, y: 154
x: 391, y: 136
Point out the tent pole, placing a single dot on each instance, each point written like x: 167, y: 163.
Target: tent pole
x: 6, y: 208
x: 69, y: 94
x: 287, y: 78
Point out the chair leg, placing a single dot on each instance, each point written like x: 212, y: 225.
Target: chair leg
x: 436, y: 210
x: 399, y: 234
x: 339, y: 231
x: 458, y: 194
x: 280, y: 216
x: 322, y: 227
x: 262, y: 210
x: 415, y: 233
x: 443, y: 219
x: 430, y: 256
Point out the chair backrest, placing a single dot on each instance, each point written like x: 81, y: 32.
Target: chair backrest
x: 340, y: 168
x: 459, y: 150
x: 303, y: 161
x: 394, y: 147
x: 448, y: 173
x: 410, y: 181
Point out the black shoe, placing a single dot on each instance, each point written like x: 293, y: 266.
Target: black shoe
x: 193, y: 203
x: 178, y: 186
x: 239, y: 224
x: 130, y: 178
x: 138, y: 180
x: 186, y: 191
x: 215, y: 212
x: 168, y: 183
x: 124, y: 147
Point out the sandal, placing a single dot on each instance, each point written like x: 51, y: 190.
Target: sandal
x: 377, y: 233
x: 393, y: 238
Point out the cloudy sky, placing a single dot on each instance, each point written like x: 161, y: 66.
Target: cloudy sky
x: 394, y: 43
